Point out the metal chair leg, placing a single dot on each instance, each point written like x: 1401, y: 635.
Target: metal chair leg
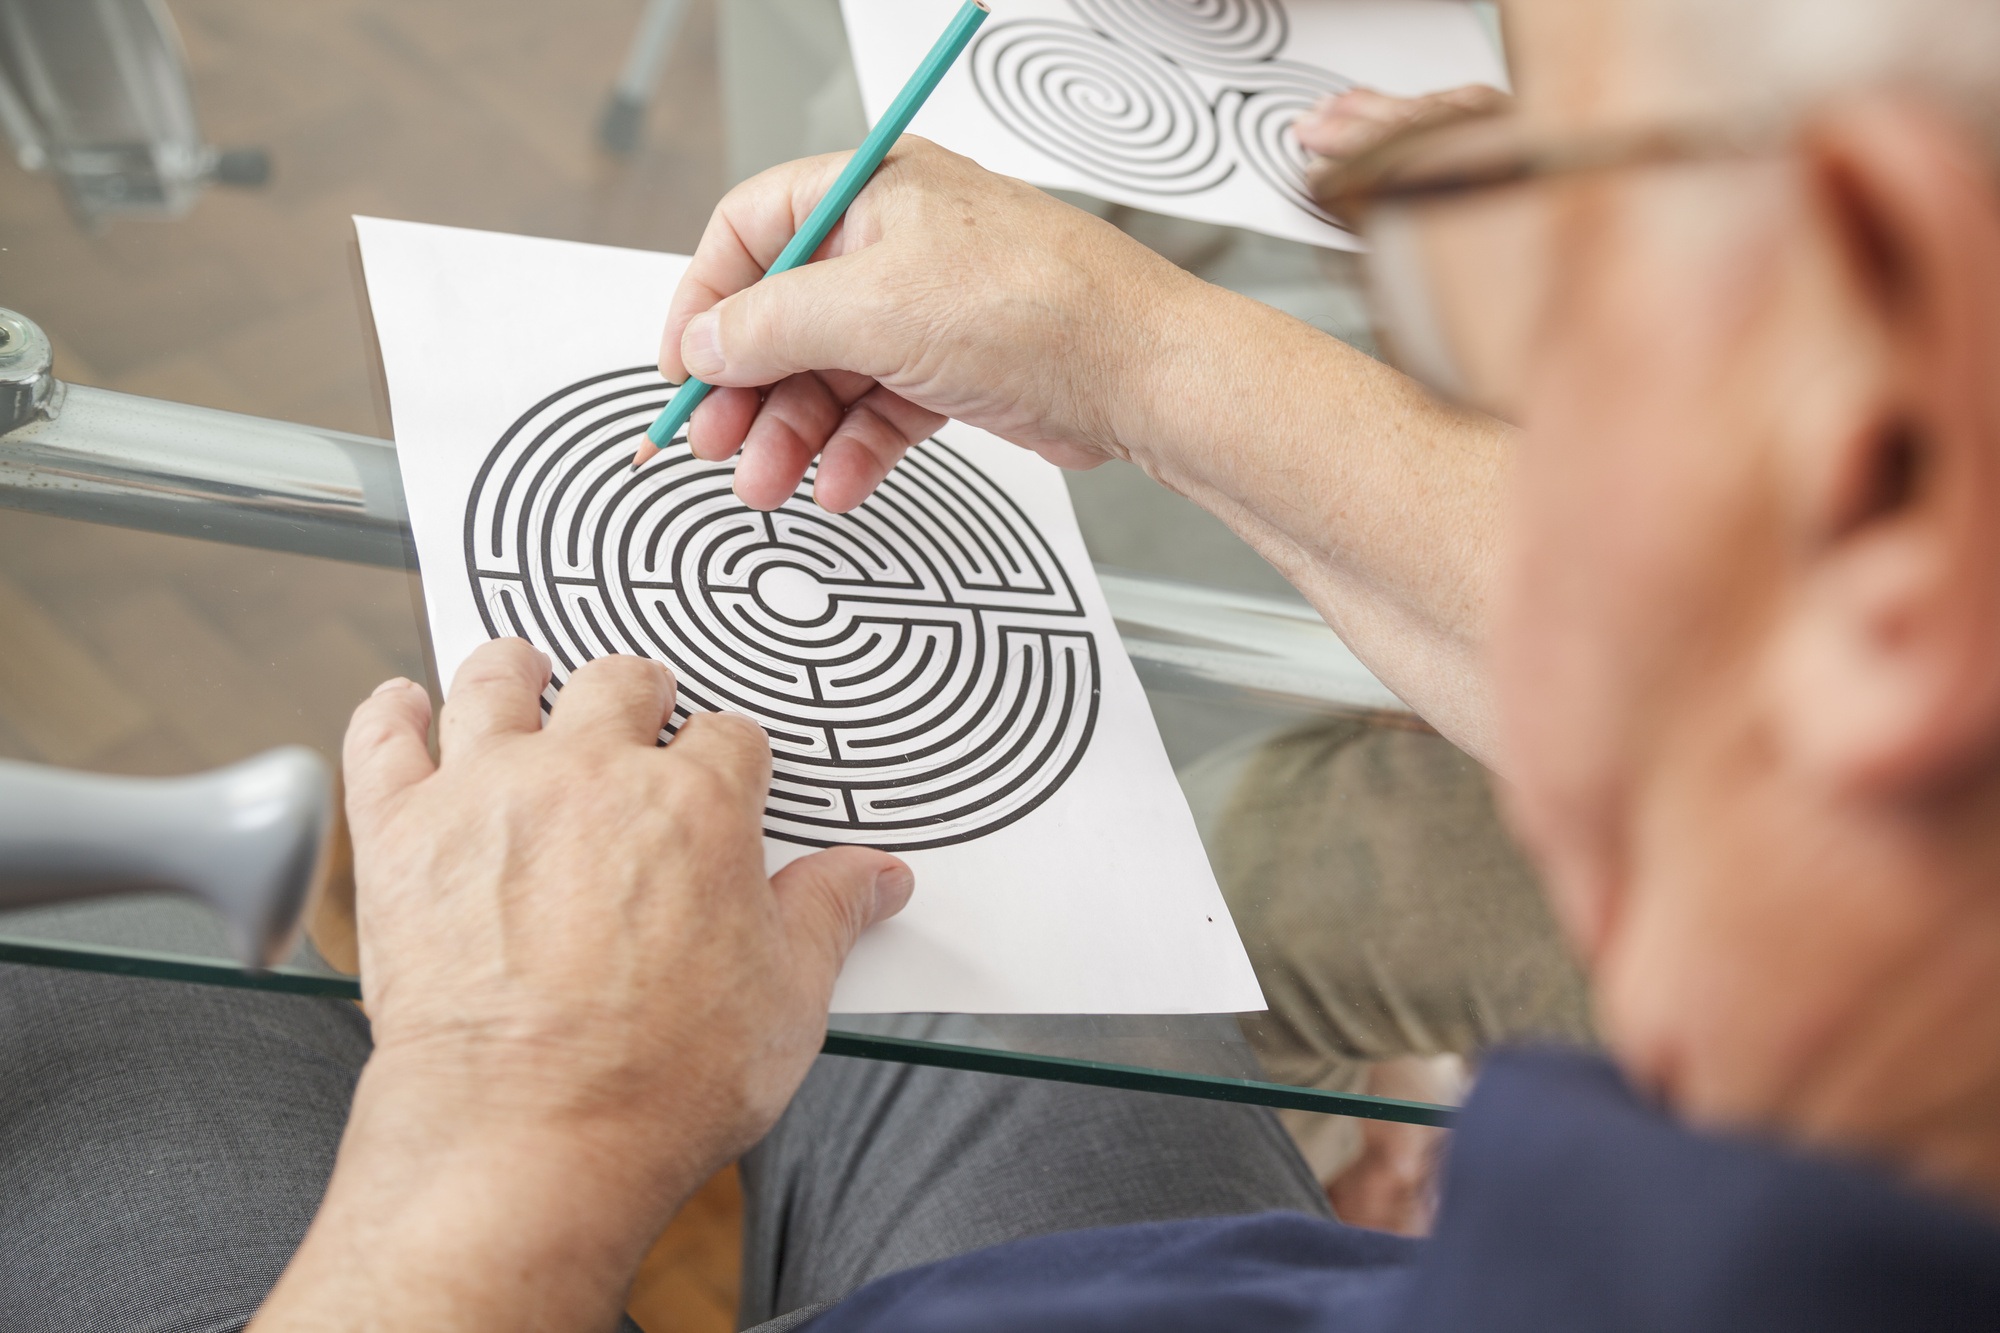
x: 620, y: 126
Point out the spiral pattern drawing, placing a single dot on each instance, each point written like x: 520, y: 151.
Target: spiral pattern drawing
x: 1162, y: 97
x: 1114, y: 114
x: 1201, y: 34
x: 922, y: 665
x: 1261, y: 128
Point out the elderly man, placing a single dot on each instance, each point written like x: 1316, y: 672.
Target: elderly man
x: 1735, y: 268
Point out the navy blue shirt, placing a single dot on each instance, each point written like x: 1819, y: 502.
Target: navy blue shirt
x: 1569, y: 1204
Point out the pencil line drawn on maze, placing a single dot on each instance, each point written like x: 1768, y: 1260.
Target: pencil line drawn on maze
x: 1165, y: 97
x: 922, y: 665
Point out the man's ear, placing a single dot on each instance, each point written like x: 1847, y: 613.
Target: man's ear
x: 1887, y: 670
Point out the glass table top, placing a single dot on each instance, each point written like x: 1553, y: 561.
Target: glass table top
x: 1386, y: 911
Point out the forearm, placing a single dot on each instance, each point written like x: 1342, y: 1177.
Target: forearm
x: 443, y: 1215
x: 1376, y: 501
x: 973, y: 296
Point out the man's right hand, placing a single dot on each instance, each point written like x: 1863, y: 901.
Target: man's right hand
x: 947, y: 291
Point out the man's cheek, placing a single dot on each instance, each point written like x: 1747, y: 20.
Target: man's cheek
x: 1564, y: 702
x: 1569, y: 829
x: 1548, y: 672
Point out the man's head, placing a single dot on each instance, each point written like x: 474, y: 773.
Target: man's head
x: 1749, y: 655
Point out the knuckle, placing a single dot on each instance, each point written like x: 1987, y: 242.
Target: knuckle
x: 704, y: 804
x: 708, y: 804
x: 724, y: 752
x: 514, y: 652
x: 742, y: 735
x: 749, y: 191
x: 614, y: 687
x: 743, y: 322
x: 621, y: 672
x: 838, y: 912
x: 370, y: 731
x: 479, y: 673
x: 920, y: 153
x: 500, y: 662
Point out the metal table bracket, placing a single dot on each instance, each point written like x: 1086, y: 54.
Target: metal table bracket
x: 117, y: 458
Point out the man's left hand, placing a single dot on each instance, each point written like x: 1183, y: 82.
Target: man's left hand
x: 586, y: 994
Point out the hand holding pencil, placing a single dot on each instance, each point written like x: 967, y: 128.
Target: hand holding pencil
x: 835, y: 203
x: 950, y: 292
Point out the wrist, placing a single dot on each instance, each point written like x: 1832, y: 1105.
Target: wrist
x: 451, y: 1210
x: 609, y: 1137
x: 1178, y: 370
x: 1145, y: 336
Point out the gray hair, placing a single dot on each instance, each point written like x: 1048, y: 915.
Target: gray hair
x: 1788, y: 54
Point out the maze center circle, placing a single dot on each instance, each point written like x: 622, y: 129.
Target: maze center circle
x: 923, y: 666
x: 791, y: 593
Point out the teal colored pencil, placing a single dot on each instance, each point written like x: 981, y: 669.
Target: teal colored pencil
x: 859, y: 169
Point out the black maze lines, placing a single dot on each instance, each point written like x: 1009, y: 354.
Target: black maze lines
x: 1165, y: 97
x: 922, y: 665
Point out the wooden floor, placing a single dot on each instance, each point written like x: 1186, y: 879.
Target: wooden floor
x: 127, y: 652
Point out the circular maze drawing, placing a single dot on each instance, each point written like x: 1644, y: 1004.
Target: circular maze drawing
x: 921, y: 665
x: 1115, y: 114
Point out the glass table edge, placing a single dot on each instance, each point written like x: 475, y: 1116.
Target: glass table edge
x: 903, y: 1050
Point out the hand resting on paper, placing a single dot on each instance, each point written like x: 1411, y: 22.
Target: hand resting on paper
x: 586, y: 995
x: 949, y: 291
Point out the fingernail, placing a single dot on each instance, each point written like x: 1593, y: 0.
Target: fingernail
x: 892, y: 890
x: 395, y: 683
x: 701, y: 345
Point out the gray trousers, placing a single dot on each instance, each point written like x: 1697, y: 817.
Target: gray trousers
x: 880, y: 1167
x: 163, y: 1148
x: 1385, y: 908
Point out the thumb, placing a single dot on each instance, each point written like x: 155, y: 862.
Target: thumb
x: 827, y: 899
x: 824, y: 316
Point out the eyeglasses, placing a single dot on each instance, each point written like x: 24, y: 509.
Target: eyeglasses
x: 1462, y: 256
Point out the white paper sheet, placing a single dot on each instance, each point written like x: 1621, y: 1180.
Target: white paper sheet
x: 939, y: 672
x: 1175, y: 106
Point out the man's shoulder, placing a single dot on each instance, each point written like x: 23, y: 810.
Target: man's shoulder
x: 1570, y: 1205
x: 1268, y: 1270
x: 1570, y: 1202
